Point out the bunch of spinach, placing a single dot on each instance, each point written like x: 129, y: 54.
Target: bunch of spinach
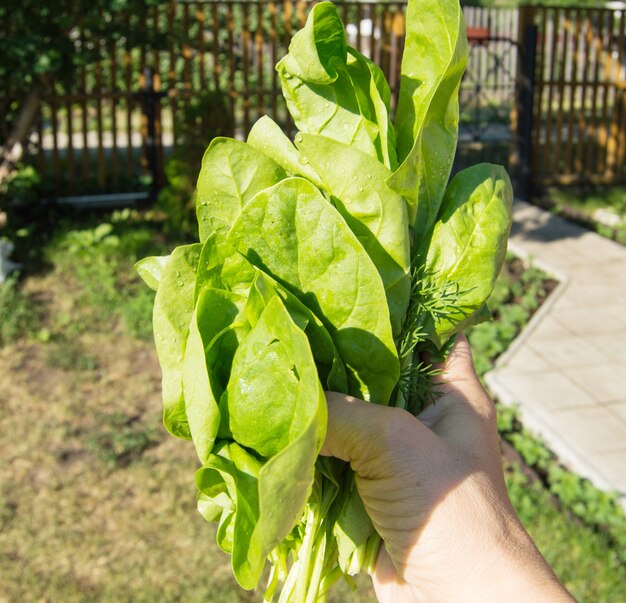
x: 331, y: 264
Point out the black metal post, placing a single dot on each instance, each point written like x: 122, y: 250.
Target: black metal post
x: 525, y: 111
x: 150, y: 96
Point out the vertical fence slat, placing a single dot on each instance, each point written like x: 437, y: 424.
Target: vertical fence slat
x: 101, y: 171
x: 582, y: 118
x: 620, y: 104
x: 41, y: 161
x: 572, y: 85
x: 603, y: 134
x: 114, y: 102
x: 619, y: 74
x: 540, y: 84
x: 230, y: 26
x: 548, y: 157
x: 54, y: 123
x: 71, y: 163
x: 592, y: 146
x: 128, y: 94
x: 84, y: 115
x: 201, y: 19
x: 215, y: 24
x: 187, y: 53
x: 172, y: 71
x: 246, y: 67
x: 258, y: 57
x: 563, y: 53
x: 274, y: 40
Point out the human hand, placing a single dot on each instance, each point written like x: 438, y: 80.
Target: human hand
x: 434, y: 489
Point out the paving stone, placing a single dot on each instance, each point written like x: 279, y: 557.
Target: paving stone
x: 613, y: 345
x: 591, y: 429
x: 604, y: 382
x: 550, y: 328
x: 545, y: 392
x: 566, y: 352
x: 617, y: 313
x: 591, y: 320
x: 580, y: 295
x: 619, y: 410
x: 526, y: 360
x: 611, y: 465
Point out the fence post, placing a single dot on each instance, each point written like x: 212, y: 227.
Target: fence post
x: 523, y: 114
x: 151, y: 95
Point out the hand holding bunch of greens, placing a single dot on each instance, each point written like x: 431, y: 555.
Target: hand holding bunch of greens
x: 328, y: 264
x: 434, y: 488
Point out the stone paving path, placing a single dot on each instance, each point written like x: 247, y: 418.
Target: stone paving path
x: 567, y: 370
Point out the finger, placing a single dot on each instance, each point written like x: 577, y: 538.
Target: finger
x: 363, y: 433
x: 459, y: 363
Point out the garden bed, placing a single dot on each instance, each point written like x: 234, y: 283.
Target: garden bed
x: 600, y: 209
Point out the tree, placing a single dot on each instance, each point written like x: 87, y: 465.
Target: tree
x: 40, y: 47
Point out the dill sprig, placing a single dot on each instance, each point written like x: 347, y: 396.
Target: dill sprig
x: 430, y: 301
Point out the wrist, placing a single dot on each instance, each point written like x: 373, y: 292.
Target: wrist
x: 489, y: 557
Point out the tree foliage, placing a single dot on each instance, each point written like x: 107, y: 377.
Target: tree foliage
x: 43, y: 43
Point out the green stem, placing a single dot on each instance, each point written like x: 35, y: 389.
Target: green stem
x: 304, y: 555
x: 371, y: 552
x: 318, y: 569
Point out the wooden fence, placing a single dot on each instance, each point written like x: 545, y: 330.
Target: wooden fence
x: 580, y: 96
x: 92, y: 135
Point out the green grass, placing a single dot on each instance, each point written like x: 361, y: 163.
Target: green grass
x: 19, y: 312
x: 585, y: 560
x: 603, y: 208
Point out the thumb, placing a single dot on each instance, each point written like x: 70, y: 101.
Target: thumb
x: 458, y: 366
x: 463, y: 413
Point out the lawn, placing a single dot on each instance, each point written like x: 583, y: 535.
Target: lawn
x: 97, y: 502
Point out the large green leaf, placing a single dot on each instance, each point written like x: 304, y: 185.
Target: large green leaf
x: 275, y: 359
x: 150, y: 269
x: 267, y: 136
x: 428, y: 108
x: 287, y: 423
x: 468, y: 245
x: 173, y: 308
x: 331, y: 370
x: 375, y: 213
x: 232, y: 173
x: 332, y: 89
x: 291, y: 232
x: 217, y: 326
x: 221, y: 266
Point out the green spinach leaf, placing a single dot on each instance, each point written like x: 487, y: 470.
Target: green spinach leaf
x: 173, y: 309
x: 232, y: 173
x: 468, y: 245
x: 291, y: 232
x: 333, y: 90
x: 428, y: 107
x: 375, y: 213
